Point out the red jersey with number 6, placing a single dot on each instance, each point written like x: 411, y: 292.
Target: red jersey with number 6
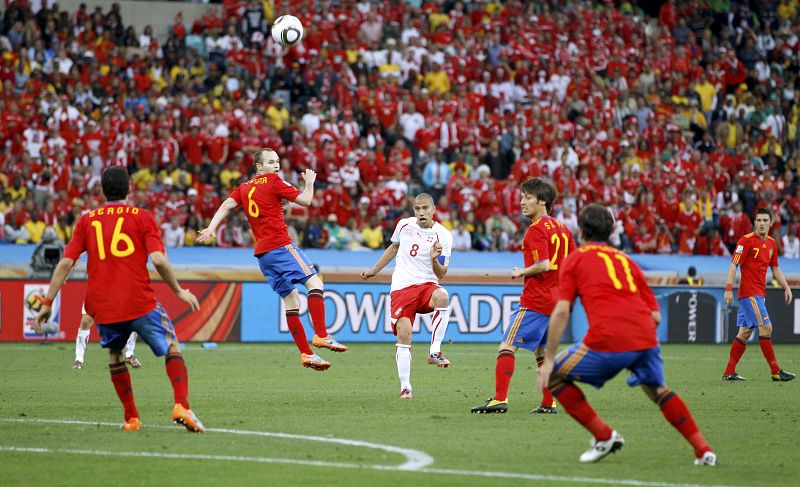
x: 754, y: 256
x: 118, y: 239
x: 615, y: 294
x: 262, y: 198
x: 546, y: 239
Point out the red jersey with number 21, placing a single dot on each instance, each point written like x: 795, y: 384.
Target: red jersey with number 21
x: 546, y: 239
x: 615, y: 294
x: 262, y: 199
x: 754, y: 255
x: 118, y: 239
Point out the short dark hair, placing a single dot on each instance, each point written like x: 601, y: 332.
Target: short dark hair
x: 115, y: 183
x: 596, y: 223
x: 763, y: 211
x: 258, y: 157
x: 542, y: 188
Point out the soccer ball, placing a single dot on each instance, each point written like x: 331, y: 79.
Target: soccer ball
x: 287, y: 30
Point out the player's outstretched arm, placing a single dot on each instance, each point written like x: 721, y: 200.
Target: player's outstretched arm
x: 223, y: 210
x: 388, y: 254
x: 165, y: 271
x: 555, y: 330
x: 728, y: 296
x: 60, y: 275
x: 531, y: 271
x: 304, y: 198
x: 787, y: 291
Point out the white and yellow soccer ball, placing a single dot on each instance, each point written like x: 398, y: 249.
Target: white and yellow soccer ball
x: 287, y: 30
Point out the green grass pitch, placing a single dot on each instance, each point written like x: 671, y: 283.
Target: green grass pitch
x: 255, y: 390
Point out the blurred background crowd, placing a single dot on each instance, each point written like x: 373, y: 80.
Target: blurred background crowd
x: 680, y: 116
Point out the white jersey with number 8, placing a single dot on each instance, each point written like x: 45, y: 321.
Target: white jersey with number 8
x: 414, y: 265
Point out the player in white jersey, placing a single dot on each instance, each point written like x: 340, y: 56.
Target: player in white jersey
x: 82, y: 341
x: 422, y: 247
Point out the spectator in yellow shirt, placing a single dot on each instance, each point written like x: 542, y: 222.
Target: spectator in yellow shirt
x: 231, y: 174
x: 373, y: 234
x: 436, y: 80
x: 35, y: 227
x: 277, y: 114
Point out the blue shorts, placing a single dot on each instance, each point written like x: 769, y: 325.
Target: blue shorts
x: 528, y: 329
x: 752, y: 312
x: 580, y: 363
x: 284, y: 267
x: 155, y: 328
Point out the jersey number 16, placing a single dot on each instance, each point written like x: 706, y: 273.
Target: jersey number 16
x: 117, y: 238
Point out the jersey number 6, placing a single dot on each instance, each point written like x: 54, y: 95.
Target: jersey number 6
x: 252, y: 207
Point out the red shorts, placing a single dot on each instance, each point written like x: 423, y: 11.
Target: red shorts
x: 407, y: 302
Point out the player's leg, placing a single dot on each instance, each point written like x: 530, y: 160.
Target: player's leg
x: 579, y: 363
x: 765, y: 341
x: 82, y: 340
x: 747, y: 321
x: 113, y: 338
x: 130, y: 356
x: 157, y: 331
x: 440, y: 302
x: 403, y: 328
x: 648, y: 371
x: 548, y: 404
x: 308, y: 358
x: 316, y: 308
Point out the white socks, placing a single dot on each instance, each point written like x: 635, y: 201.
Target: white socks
x: 441, y: 318
x: 403, y: 359
x: 130, y: 345
x: 80, y: 344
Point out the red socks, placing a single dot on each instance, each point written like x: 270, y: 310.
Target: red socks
x: 548, y: 400
x: 575, y: 403
x: 769, y: 354
x: 737, y: 350
x: 179, y: 377
x: 122, y: 383
x: 502, y: 374
x: 674, y: 409
x: 297, y: 331
x: 316, y: 307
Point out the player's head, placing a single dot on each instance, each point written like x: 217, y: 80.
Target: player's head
x: 596, y: 223
x: 266, y: 161
x: 762, y: 221
x: 538, y: 195
x: 115, y: 183
x: 424, y: 209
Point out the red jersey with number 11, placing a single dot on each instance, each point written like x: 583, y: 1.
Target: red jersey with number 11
x: 546, y: 239
x: 262, y: 199
x: 118, y: 239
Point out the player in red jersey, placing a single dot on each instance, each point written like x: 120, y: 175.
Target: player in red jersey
x: 623, y: 315
x: 754, y: 253
x: 118, y: 239
x: 281, y: 262
x: 546, y: 244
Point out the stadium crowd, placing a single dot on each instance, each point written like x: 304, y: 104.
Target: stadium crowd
x: 681, y: 121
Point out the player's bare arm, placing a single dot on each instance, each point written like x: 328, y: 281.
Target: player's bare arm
x: 60, y: 275
x: 305, y: 198
x: 531, y: 271
x: 164, y: 269
x: 787, y: 291
x: 438, y: 268
x: 558, y: 323
x: 388, y: 255
x: 728, y: 296
x: 222, y: 212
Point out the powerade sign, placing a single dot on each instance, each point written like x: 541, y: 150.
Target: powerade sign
x: 359, y: 313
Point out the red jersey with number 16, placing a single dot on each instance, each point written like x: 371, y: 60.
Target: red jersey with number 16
x: 118, y: 239
x: 546, y: 239
x: 262, y: 199
x: 615, y: 294
x: 754, y: 255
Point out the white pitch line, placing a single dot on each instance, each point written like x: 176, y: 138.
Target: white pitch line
x: 413, y: 464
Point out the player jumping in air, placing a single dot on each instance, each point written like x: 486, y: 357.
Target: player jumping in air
x: 422, y: 247
x: 546, y: 244
x: 623, y: 315
x: 118, y: 239
x: 280, y: 260
x: 754, y: 253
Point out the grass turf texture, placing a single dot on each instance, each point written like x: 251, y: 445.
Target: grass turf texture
x: 751, y: 425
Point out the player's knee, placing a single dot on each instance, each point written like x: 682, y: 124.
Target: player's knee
x: 765, y: 331
x: 86, y: 322
x: 745, y: 333
x: 506, y: 348
x: 314, y: 282
x: 440, y: 299
x: 291, y: 300
x: 115, y: 356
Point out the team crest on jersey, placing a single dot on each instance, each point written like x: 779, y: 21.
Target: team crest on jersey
x: 430, y: 239
x: 739, y: 249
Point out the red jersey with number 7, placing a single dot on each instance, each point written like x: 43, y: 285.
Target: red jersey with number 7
x: 117, y: 239
x: 546, y: 239
x: 615, y: 294
x: 754, y: 255
x: 262, y: 199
